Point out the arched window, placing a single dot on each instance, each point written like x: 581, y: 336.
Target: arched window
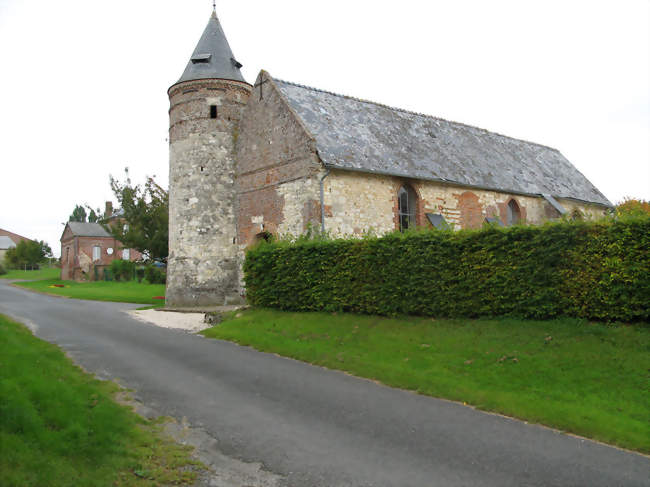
x: 407, y: 201
x: 514, y: 213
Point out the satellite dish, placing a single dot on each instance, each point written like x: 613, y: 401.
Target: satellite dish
x: 109, y: 251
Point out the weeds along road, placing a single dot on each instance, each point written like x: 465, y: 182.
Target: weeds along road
x: 311, y: 426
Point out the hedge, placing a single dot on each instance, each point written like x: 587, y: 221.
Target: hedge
x: 595, y: 270
x: 123, y: 270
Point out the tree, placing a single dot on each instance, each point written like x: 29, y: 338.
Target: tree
x: 144, y: 220
x: 93, y: 216
x: 27, y: 253
x: 633, y: 207
x: 78, y: 214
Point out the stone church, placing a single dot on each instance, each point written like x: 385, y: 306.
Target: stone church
x: 276, y: 158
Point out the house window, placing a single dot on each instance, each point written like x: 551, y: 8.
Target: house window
x: 407, y: 202
x: 97, y: 253
x: 67, y: 254
x: 514, y: 213
x: 213, y: 111
x: 126, y: 254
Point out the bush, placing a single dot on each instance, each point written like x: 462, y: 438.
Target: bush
x: 27, y: 254
x: 139, y: 273
x: 2, y: 270
x: 154, y: 275
x: 595, y: 270
x: 122, y: 270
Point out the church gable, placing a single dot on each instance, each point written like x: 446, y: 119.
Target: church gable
x: 276, y: 162
x: 271, y: 135
x: 358, y: 135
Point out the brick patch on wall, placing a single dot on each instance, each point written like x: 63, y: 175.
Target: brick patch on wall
x: 471, y: 211
x: 259, y: 211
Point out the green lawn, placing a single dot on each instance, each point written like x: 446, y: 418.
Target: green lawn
x: 123, y: 292
x: 585, y: 378
x: 61, y: 427
x: 44, y: 273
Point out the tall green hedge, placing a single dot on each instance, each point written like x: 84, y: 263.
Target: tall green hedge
x: 595, y: 270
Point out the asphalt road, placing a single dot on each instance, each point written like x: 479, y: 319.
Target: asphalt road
x: 312, y: 426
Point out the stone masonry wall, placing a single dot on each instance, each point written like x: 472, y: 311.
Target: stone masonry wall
x: 277, y: 168
x: 357, y: 203
x: 203, y: 268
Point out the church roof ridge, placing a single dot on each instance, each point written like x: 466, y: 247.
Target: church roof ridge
x: 412, y: 112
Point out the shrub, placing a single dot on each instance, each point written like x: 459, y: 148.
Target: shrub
x: 154, y: 275
x: 27, y: 254
x: 139, y: 273
x: 2, y: 270
x: 122, y: 270
x: 595, y: 270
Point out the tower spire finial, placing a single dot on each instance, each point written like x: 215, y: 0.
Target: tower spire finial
x: 214, y: 6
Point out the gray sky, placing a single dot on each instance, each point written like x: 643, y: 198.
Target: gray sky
x: 84, y: 84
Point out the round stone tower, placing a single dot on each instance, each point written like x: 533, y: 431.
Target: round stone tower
x: 206, y: 104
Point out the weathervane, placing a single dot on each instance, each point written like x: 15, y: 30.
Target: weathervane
x: 214, y: 5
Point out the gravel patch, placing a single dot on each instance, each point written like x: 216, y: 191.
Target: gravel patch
x: 193, y: 322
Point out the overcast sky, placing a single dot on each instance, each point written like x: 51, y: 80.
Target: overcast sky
x: 84, y: 84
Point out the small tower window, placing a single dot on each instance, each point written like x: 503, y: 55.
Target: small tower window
x: 201, y: 58
x: 213, y: 111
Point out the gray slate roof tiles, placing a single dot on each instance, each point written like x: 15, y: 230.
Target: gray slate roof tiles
x: 212, y: 57
x: 359, y: 135
x: 83, y: 229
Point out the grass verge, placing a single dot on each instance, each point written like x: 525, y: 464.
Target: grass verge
x: 586, y: 378
x: 59, y: 426
x: 122, y: 292
x: 45, y: 273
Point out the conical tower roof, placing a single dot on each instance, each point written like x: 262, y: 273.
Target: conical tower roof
x: 212, y: 57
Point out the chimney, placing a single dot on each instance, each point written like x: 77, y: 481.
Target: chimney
x: 109, y: 209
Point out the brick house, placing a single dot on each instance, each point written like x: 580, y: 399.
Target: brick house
x: 278, y: 158
x: 87, y: 249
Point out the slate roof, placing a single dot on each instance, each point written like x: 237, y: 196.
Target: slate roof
x: 6, y: 243
x: 82, y: 229
x: 359, y: 135
x: 212, y: 57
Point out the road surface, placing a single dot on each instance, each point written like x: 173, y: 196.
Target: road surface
x: 310, y: 426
